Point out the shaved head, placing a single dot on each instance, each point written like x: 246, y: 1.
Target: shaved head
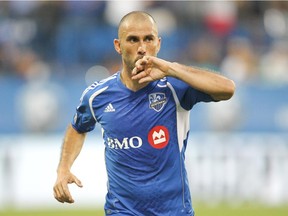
x: 137, y: 37
x: 137, y: 17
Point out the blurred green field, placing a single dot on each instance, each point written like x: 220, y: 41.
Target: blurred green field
x: 201, y: 210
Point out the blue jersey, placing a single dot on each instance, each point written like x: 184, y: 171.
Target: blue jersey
x: 145, y: 135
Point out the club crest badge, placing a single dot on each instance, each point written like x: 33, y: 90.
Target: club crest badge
x: 157, y: 101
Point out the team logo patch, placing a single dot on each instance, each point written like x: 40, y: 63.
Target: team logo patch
x: 158, y: 137
x: 157, y: 101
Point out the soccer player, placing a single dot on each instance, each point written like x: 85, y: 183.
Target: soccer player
x: 144, y: 114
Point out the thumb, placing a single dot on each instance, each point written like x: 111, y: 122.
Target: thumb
x: 78, y: 182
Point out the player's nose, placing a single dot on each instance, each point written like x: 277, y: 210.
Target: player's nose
x: 141, y: 49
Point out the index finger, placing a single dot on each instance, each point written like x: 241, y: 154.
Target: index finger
x: 139, y: 65
x: 62, y: 194
x: 66, y: 195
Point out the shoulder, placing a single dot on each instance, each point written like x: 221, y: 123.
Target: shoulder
x: 174, y: 83
x: 99, y: 87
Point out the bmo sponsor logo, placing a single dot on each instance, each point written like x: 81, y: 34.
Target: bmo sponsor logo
x: 125, y: 143
x: 158, y: 137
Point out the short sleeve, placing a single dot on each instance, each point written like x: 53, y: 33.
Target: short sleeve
x: 83, y: 120
x: 193, y: 96
x: 187, y: 95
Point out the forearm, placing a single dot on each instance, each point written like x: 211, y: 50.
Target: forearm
x: 216, y: 85
x: 72, y: 145
x: 151, y: 68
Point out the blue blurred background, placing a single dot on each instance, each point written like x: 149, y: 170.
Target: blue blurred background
x: 51, y: 51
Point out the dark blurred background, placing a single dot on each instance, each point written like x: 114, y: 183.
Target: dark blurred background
x: 51, y: 51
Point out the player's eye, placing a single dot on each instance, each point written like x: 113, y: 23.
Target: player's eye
x: 132, y: 39
x: 149, y: 39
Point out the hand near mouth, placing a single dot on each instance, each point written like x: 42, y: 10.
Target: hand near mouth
x: 149, y: 68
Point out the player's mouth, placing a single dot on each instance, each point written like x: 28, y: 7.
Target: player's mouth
x: 139, y: 57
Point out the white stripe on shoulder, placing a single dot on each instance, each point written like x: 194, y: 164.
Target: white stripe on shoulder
x: 95, y: 84
x: 114, y: 76
x: 95, y: 94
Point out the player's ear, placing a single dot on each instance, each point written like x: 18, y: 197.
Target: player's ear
x: 117, y: 46
x: 159, y: 44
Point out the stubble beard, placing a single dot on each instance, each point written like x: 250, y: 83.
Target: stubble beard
x: 130, y: 65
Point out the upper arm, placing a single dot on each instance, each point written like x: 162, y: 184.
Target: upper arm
x: 187, y: 95
x: 73, y: 133
x: 83, y: 120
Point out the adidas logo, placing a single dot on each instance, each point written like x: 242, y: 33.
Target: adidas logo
x: 109, y: 108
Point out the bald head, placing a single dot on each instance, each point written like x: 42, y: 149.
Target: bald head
x: 137, y: 37
x: 136, y: 17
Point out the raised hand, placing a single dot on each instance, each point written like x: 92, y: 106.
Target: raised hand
x: 150, y: 68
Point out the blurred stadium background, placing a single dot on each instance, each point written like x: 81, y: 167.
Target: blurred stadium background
x: 50, y: 51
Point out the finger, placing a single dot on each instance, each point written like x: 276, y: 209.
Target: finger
x: 145, y: 79
x: 78, y: 182
x: 137, y: 69
x: 57, y: 195
x: 59, y: 199
x: 139, y: 66
x: 139, y: 75
x: 65, y: 194
x: 62, y: 197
